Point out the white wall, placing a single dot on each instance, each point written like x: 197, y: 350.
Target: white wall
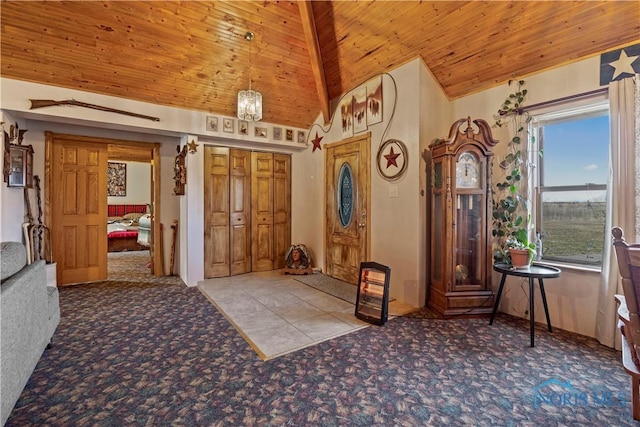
x: 573, y: 297
x: 138, y: 185
x: 396, y: 224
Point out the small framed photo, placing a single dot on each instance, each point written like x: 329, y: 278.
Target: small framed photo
x: 277, y: 134
x: 227, y: 125
x: 301, y: 136
x: 243, y: 127
x: 212, y: 124
x: 289, y: 135
x: 261, y: 132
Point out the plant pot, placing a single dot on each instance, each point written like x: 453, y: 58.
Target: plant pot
x: 520, y: 258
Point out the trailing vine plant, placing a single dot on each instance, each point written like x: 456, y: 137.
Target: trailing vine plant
x: 511, y: 196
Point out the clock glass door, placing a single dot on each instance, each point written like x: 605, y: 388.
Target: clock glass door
x: 468, y: 240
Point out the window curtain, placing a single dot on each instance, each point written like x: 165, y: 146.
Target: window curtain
x: 622, y: 209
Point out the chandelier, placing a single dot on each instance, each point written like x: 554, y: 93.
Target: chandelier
x: 249, y: 101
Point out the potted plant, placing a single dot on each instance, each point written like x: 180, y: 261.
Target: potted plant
x: 511, y: 218
x: 521, y: 251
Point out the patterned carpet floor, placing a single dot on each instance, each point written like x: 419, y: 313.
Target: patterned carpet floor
x: 156, y: 353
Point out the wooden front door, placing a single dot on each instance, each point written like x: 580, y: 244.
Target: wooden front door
x: 78, y: 195
x: 347, y: 196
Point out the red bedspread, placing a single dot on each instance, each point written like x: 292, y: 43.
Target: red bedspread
x: 122, y: 234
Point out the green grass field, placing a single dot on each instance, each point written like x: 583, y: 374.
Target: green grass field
x: 574, y: 231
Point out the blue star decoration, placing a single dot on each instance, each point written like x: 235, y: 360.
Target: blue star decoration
x: 316, y: 142
x: 619, y: 64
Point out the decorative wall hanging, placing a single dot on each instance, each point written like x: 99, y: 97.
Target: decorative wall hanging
x: 193, y: 147
x: 19, y: 170
x: 392, y: 159
x: 360, y: 110
x: 619, y: 64
x: 117, y: 179
x: 41, y: 103
x: 289, y: 135
x: 243, y: 127
x: 18, y: 159
x: 374, y: 101
x: 301, y: 137
x: 346, y: 114
x: 227, y: 125
x: 180, y: 171
x: 316, y: 142
x: 277, y: 134
x: 260, y: 132
x: 212, y: 124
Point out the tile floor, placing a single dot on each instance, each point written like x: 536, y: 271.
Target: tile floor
x: 276, y: 314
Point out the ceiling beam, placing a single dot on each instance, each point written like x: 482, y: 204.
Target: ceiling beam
x: 311, y: 36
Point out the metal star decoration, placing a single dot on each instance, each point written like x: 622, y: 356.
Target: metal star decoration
x: 192, y: 146
x: 392, y: 158
x: 316, y: 142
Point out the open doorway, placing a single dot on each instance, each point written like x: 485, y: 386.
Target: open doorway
x: 129, y: 196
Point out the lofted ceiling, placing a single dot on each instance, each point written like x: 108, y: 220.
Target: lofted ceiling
x: 192, y: 54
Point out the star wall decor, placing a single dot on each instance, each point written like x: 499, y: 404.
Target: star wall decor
x: 192, y: 146
x: 392, y: 159
x: 316, y: 142
x: 619, y: 64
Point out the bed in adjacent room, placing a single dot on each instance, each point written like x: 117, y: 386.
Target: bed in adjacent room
x: 123, y: 227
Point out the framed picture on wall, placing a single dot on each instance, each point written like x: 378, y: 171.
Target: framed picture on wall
x: 212, y: 124
x: 374, y: 100
x: 289, y: 135
x: 117, y: 179
x: 243, y: 127
x: 301, y: 137
x: 227, y: 125
x: 260, y: 132
x: 277, y: 133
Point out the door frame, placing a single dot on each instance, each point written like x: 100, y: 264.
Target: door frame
x: 365, y: 149
x: 117, y: 149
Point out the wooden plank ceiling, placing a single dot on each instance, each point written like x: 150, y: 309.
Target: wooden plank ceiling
x: 193, y: 54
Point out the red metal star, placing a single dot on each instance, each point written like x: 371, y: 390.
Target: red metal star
x: 316, y: 142
x: 391, y: 158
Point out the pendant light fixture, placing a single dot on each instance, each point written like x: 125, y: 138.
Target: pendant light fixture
x: 249, y: 101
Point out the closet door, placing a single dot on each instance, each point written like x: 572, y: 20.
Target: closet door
x: 262, y: 253
x: 216, y: 218
x: 240, y: 211
x: 281, y: 208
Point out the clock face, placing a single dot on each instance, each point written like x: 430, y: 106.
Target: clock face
x: 467, y: 171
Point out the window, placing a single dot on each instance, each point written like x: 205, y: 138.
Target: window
x: 572, y: 172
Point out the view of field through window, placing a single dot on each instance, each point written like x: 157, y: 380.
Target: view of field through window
x: 574, y: 231
x: 574, y: 166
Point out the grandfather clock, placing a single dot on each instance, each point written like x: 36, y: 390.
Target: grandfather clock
x: 461, y: 206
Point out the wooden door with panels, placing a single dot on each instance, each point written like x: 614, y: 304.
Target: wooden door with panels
x: 270, y: 210
x: 347, y: 201
x: 262, y: 254
x: 227, y: 187
x: 281, y: 208
x: 75, y: 201
x: 77, y: 190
